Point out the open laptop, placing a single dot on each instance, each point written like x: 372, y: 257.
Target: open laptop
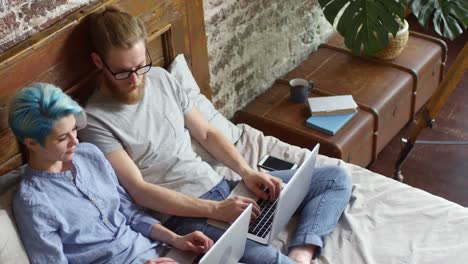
x: 230, y: 246
x: 228, y: 249
x: 275, y: 215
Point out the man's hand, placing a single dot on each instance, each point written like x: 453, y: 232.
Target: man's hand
x: 195, y: 241
x: 161, y: 261
x: 257, y: 181
x: 228, y: 210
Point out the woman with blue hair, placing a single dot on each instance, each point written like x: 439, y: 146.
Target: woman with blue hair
x: 69, y: 206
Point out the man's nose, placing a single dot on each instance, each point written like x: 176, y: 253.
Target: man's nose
x: 134, y: 78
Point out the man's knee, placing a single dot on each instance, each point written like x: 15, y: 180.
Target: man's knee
x: 343, y: 178
x: 339, y: 175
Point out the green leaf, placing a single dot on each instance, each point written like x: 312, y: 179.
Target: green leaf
x: 449, y: 17
x: 365, y: 24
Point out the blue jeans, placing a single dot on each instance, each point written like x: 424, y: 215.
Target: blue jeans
x: 319, y: 212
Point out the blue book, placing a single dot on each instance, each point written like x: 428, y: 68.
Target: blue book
x: 329, y: 124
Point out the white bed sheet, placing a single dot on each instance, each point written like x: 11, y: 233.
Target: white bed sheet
x: 385, y: 222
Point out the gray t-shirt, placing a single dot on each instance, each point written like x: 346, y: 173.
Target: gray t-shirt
x: 153, y: 134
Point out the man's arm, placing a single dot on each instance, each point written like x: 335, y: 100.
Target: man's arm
x: 218, y: 146
x: 167, y: 201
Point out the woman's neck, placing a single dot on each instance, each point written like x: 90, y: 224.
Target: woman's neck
x: 47, y: 165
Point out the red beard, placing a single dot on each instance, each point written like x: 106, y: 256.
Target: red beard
x: 126, y: 96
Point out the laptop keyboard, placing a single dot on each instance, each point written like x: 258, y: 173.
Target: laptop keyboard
x: 262, y: 225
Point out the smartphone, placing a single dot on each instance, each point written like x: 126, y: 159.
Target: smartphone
x: 272, y: 163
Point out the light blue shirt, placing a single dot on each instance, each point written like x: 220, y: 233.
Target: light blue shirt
x: 81, y: 216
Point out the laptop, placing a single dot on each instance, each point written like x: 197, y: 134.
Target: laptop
x: 229, y: 248
x: 276, y: 214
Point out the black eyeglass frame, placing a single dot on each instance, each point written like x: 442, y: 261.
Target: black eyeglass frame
x: 129, y: 73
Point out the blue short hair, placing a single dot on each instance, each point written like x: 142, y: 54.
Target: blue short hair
x: 35, y: 109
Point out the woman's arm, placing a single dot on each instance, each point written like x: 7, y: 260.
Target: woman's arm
x: 38, y: 232
x: 195, y: 241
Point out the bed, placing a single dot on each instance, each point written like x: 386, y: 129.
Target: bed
x: 385, y: 221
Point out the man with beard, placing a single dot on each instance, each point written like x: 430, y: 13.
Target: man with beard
x: 142, y: 120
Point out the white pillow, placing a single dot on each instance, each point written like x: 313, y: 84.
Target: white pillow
x: 11, y: 247
x: 181, y: 72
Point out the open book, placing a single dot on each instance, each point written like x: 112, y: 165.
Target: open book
x: 331, y: 105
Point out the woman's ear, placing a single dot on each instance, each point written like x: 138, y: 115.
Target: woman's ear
x: 97, y: 60
x: 31, y: 144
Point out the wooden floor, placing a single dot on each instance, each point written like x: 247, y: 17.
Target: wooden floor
x: 439, y: 169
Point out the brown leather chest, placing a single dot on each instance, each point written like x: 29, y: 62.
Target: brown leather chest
x: 275, y: 115
x: 389, y: 93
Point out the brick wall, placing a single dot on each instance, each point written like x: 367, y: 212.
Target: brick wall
x: 250, y: 42
x: 19, y: 19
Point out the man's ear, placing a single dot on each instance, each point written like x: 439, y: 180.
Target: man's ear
x: 31, y: 144
x: 97, y: 60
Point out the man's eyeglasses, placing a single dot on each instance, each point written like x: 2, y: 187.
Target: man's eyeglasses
x: 126, y: 74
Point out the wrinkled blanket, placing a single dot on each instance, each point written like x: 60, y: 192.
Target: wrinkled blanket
x: 385, y: 222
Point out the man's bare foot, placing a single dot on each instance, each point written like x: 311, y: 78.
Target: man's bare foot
x: 302, y: 255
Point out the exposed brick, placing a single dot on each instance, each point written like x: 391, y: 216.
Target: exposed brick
x: 266, y: 3
x: 9, y: 4
x: 244, y: 3
x: 246, y: 33
x: 38, y: 8
x: 240, y: 51
x: 241, y: 70
x: 8, y: 23
x: 31, y: 16
x: 252, y: 43
x: 227, y: 53
x: 214, y: 3
x: 219, y: 104
x: 239, y: 86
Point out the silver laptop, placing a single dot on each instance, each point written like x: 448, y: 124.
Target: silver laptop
x: 275, y: 215
x: 230, y: 246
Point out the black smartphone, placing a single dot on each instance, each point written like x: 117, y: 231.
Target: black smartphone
x: 272, y: 163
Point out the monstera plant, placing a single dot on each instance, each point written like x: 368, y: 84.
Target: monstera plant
x: 366, y: 24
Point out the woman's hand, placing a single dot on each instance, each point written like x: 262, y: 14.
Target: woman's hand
x: 195, y: 241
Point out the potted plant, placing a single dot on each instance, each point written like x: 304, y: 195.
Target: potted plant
x: 368, y: 25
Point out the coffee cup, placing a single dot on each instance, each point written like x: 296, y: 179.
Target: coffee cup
x: 300, y: 89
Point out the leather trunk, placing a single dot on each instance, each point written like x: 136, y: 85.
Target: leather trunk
x: 275, y: 115
x: 392, y: 91
x: 389, y: 93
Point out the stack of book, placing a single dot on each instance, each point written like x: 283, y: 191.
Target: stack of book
x: 331, y: 113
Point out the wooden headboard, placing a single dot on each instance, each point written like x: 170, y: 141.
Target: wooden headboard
x: 60, y: 55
